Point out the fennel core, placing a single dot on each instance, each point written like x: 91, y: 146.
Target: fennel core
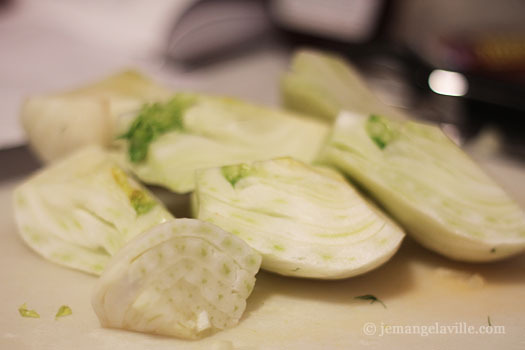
x: 154, y: 120
x: 379, y: 131
x: 234, y: 173
x: 139, y: 200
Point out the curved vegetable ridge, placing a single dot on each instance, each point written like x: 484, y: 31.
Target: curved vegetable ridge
x: 305, y: 221
x: 184, y: 278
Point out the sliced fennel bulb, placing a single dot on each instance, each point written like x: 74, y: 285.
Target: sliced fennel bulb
x: 60, y: 123
x: 321, y: 84
x: 184, y: 278
x: 80, y: 210
x: 305, y: 221
x: 167, y: 142
x: 429, y: 185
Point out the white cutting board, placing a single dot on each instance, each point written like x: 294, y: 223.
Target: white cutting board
x: 418, y: 287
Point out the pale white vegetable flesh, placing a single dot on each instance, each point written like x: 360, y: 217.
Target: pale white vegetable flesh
x: 322, y: 84
x: 429, y: 185
x: 185, y: 278
x: 61, y: 123
x: 305, y: 221
x: 82, y: 209
x: 218, y: 131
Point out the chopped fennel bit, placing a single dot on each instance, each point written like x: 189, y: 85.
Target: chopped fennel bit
x: 25, y: 312
x: 372, y: 299
x: 154, y: 120
x: 64, y: 310
x: 488, y: 321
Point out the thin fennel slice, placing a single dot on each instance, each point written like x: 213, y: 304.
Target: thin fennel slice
x: 321, y: 84
x: 305, y: 221
x: 185, y: 278
x: 80, y: 210
x: 168, y: 141
x: 443, y: 199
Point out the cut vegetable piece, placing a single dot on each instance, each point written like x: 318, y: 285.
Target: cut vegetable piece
x: 305, y: 221
x: 322, y: 85
x: 429, y: 185
x: 184, y: 278
x: 25, y: 312
x: 168, y: 142
x: 82, y: 209
x: 63, y: 311
x: 61, y: 123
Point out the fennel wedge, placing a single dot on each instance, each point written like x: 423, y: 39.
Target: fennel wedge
x: 59, y: 123
x: 305, y: 221
x: 323, y: 84
x: 184, y: 278
x: 167, y: 142
x: 442, y: 197
x: 80, y: 210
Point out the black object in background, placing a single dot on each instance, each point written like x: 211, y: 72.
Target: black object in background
x: 492, y: 98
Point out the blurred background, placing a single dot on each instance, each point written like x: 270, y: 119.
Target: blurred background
x: 459, y: 63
